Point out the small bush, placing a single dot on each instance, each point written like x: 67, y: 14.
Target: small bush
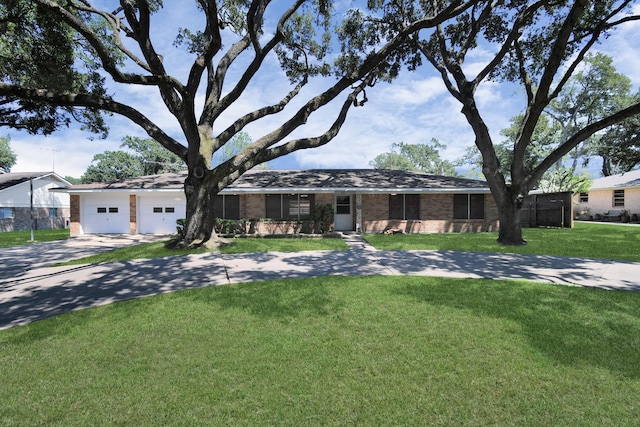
x: 321, y: 222
x: 180, y: 226
x: 229, y: 226
x: 322, y: 217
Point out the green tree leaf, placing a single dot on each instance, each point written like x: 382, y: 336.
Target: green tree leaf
x: 416, y: 157
x: 7, y: 156
x: 38, y: 50
x: 112, y: 166
x: 153, y: 157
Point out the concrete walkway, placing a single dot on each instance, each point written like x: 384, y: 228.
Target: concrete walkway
x: 30, y: 291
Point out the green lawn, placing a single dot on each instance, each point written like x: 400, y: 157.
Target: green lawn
x: 250, y: 244
x: 240, y: 245
x: 333, y: 351
x: 15, y: 238
x: 586, y: 240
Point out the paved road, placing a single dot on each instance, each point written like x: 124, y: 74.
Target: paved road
x: 30, y: 291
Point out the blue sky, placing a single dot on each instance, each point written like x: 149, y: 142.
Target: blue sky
x: 413, y: 109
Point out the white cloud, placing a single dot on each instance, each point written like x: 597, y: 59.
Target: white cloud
x: 66, y: 153
x: 412, y: 92
x: 622, y: 46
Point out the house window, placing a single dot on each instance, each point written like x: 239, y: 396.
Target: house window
x: 468, y: 206
x: 165, y: 210
x: 6, y: 213
x: 584, y: 198
x: 300, y: 206
x: 618, y: 198
x: 343, y: 205
x: 274, y: 206
x: 104, y: 210
x: 404, y: 206
x: 289, y: 206
x: 227, y: 206
x: 53, y: 212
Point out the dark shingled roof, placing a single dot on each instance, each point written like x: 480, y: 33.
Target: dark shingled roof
x: 313, y: 179
x: 149, y: 182
x: 351, y: 179
x: 14, y: 178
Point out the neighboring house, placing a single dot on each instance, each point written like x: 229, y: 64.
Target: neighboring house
x: 363, y: 200
x: 612, y: 193
x: 50, y: 210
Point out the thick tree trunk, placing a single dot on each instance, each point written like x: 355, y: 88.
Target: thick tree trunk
x: 510, y: 232
x: 200, y: 193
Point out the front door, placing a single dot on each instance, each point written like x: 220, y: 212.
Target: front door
x: 343, y: 215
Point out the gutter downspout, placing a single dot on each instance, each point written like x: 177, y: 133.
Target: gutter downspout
x: 31, y: 207
x: 358, y: 212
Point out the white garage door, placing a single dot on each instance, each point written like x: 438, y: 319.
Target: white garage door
x: 158, y: 214
x: 105, y: 214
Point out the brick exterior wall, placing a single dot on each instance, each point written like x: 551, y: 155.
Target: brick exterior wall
x: 42, y: 221
x: 324, y: 198
x: 436, y: 213
x: 132, y: 214
x: 252, y: 206
x: 281, y: 227
x: 75, y: 215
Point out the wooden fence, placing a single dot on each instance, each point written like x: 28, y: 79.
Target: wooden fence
x: 548, y: 209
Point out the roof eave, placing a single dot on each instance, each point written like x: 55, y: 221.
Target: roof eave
x: 617, y: 187
x: 282, y: 190
x: 115, y: 190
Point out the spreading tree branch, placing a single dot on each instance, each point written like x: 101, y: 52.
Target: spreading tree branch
x: 578, y: 137
x: 264, y: 150
x: 109, y: 64
x: 213, y: 110
x: 101, y: 103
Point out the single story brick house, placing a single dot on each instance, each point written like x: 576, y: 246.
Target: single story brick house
x: 50, y: 210
x: 619, y: 192
x: 363, y: 200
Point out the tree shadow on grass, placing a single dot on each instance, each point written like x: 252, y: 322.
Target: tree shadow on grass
x: 274, y: 299
x: 539, y: 268
x: 571, y: 326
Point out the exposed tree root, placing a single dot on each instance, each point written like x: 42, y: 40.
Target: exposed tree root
x: 214, y: 243
x: 505, y: 242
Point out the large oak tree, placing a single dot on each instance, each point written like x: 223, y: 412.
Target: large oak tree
x: 538, y: 45
x: 115, y: 39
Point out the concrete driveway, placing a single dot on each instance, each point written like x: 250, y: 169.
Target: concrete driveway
x: 14, y: 259
x: 30, y: 291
